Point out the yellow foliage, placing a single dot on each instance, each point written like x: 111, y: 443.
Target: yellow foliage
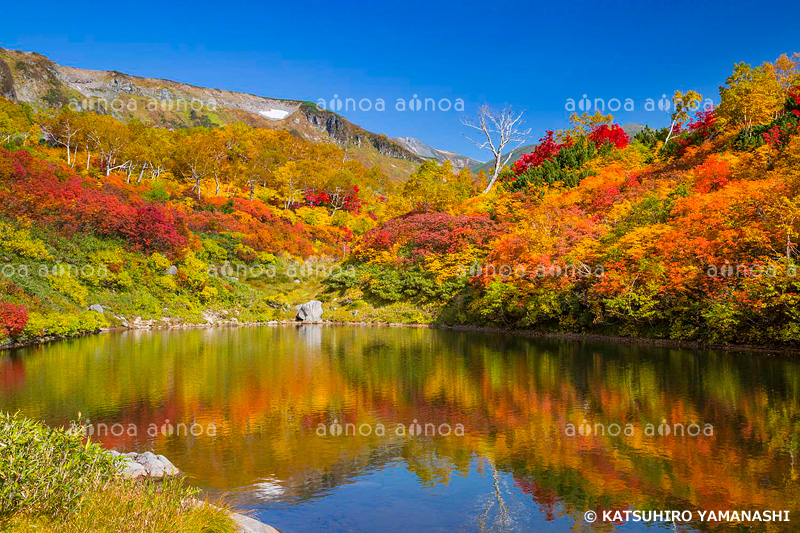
x: 317, y: 216
x: 642, y: 243
x: 158, y: 261
x: 450, y: 266
x: 20, y: 242
x: 64, y: 283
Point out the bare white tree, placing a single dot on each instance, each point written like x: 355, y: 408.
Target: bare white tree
x: 500, y: 129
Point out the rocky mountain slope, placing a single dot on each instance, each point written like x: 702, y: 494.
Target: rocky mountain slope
x: 34, y: 79
x: 422, y: 149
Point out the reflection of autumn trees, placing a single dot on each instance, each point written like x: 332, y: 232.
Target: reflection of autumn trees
x: 268, y: 390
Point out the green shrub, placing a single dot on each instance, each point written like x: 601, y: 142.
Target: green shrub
x: 567, y: 169
x: 45, y: 470
x: 387, y: 284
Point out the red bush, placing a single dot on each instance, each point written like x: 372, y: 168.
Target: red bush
x: 63, y: 200
x: 420, y: 234
x: 13, y: 318
x: 546, y: 150
x: 605, y: 134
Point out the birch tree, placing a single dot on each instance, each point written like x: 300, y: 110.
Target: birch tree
x: 498, y: 130
x: 63, y: 130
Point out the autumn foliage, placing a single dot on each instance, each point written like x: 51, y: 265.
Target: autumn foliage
x: 667, y: 234
x: 13, y: 318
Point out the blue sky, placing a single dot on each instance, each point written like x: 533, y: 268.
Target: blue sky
x: 531, y: 55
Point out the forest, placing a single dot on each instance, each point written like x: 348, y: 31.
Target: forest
x: 688, y: 232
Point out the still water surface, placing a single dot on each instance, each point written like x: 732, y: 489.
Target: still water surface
x: 256, y: 413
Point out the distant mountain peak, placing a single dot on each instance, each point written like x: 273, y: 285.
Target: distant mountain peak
x: 422, y: 149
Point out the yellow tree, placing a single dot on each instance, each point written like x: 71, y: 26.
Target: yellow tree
x: 683, y: 106
x: 751, y: 96
x: 63, y: 130
x: 437, y: 187
x: 14, y: 120
x: 192, y: 159
x: 583, y: 124
x: 288, y: 178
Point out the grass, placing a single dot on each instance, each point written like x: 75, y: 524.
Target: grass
x: 136, y: 507
x: 55, y: 479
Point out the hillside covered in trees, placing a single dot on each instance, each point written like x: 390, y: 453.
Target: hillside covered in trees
x: 686, y: 233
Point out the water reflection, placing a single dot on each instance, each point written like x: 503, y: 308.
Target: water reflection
x: 269, y: 392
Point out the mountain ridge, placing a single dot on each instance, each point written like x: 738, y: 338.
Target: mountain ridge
x: 423, y: 149
x: 34, y: 79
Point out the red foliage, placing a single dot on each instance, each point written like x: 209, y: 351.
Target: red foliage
x: 546, y: 150
x: 778, y: 137
x: 420, y: 234
x: 794, y: 100
x: 605, y: 134
x: 72, y: 204
x: 153, y: 228
x: 605, y: 199
x: 13, y: 318
x: 704, y: 123
x: 349, y: 202
x: 316, y: 197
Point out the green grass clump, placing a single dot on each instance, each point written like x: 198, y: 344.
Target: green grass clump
x: 56, y: 480
x: 45, y: 470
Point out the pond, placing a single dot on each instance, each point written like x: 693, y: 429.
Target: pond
x: 342, y: 428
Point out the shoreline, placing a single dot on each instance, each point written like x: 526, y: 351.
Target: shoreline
x: 766, y: 350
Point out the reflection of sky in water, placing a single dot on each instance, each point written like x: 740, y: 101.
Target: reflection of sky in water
x: 392, y: 499
x: 268, y: 390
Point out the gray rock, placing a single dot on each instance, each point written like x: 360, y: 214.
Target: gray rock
x: 97, y: 308
x: 147, y: 464
x: 245, y: 524
x: 310, y: 311
x: 133, y: 470
x: 172, y: 270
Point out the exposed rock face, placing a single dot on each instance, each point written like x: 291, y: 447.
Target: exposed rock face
x: 346, y: 133
x: 310, y: 311
x: 146, y: 464
x: 97, y: 308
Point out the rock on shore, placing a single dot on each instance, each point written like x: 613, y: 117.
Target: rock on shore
x: 310, y: 311
x: 150, y: 465
x: 146, y: 464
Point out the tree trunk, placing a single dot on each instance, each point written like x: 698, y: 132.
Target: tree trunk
x: 496, y: 173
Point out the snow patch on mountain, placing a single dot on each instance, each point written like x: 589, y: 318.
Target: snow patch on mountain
x: 275, y: 114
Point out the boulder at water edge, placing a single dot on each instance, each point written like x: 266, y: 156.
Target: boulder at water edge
x: 310, y: 311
